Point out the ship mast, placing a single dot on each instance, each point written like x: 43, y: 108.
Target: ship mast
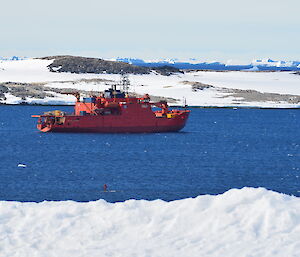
x: 124, y: 83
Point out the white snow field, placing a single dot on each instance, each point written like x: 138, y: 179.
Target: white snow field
x: 35, y: 70
x: 240, y: 222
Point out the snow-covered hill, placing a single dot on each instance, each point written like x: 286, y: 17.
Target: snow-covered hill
x: 200, y: 88
x: 240, y: 222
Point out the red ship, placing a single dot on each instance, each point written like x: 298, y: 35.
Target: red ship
x: 114, y: 112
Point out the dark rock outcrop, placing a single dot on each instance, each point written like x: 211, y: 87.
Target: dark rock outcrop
x: 76, y: 64
x: 166, y: 70
x: 3, y: 90
x: 249, y: 95
x: 23, y: 90
x: 196, y: 86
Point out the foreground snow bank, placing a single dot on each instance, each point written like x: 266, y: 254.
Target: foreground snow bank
x: 245, y: 222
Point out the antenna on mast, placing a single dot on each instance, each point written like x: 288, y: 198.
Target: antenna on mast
x: 184, y: 102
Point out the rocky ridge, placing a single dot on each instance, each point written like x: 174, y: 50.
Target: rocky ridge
x: 77, y: 64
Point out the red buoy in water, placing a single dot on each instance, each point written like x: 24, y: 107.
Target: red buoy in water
x: 104, y: 187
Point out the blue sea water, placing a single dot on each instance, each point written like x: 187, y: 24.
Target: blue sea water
x: 219, y: 149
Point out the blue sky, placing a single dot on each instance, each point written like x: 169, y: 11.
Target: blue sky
x: 207, y: 30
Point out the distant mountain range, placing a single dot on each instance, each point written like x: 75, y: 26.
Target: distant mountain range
x: 256, y: 65
x: 13, y: 58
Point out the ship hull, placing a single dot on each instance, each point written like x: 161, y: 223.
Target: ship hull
x: 117, y: 124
